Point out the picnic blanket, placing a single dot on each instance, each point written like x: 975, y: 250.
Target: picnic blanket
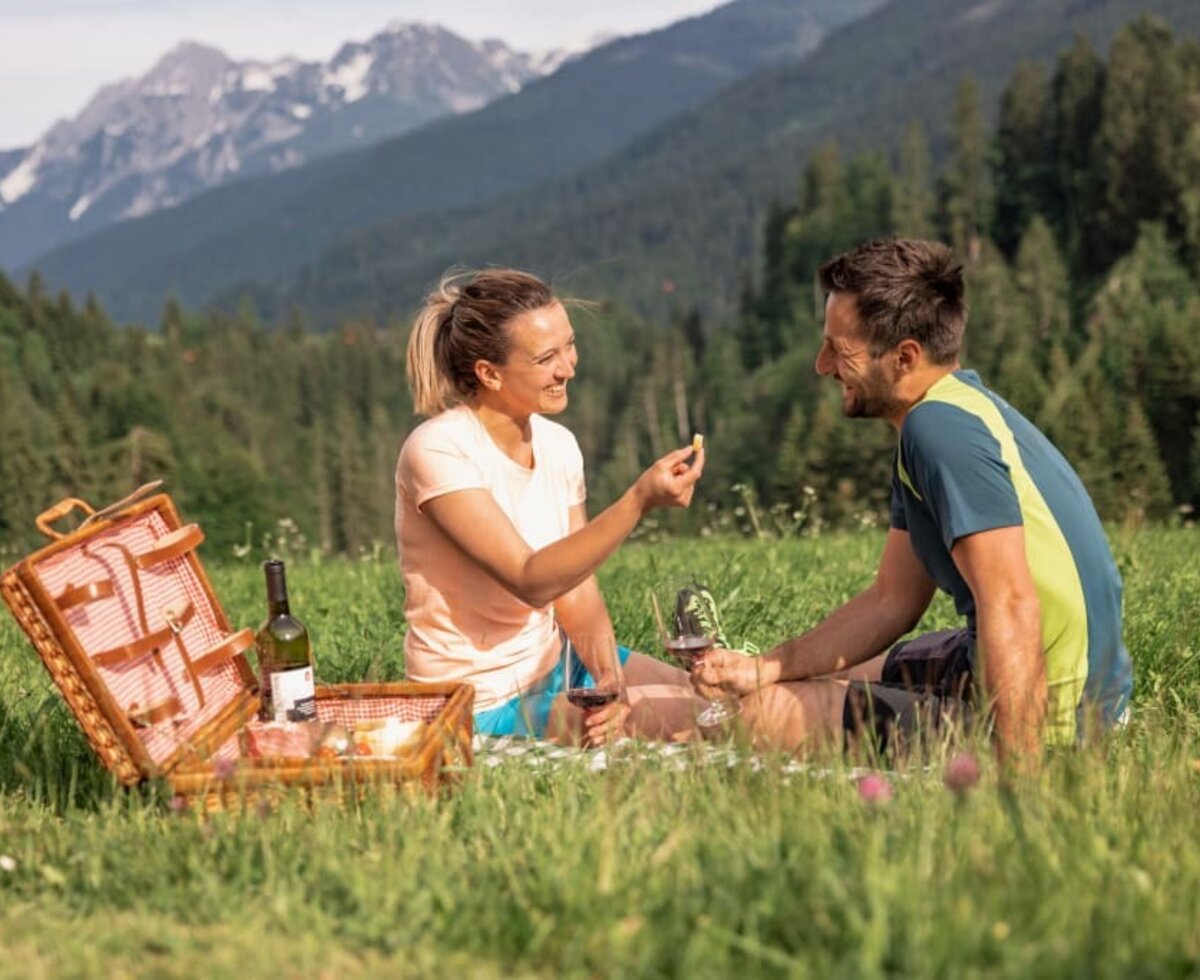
x: 492, y: 751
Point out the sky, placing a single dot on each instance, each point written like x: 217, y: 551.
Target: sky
x: 54, y: 54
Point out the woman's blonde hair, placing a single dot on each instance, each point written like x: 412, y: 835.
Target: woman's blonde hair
x: 464, y: 321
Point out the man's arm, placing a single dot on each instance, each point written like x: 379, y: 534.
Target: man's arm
x: 1008, y: 623
x: 854, y: 632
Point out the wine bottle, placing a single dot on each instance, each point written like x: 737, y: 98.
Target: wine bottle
x: 285, y: 659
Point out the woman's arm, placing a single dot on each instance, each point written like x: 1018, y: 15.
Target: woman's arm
x: 583, y: 615
x: 474, y: 521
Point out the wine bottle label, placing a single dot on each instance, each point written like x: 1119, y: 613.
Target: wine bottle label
x: 292, y: 695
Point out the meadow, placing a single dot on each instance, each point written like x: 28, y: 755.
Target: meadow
x: 1089, y: 868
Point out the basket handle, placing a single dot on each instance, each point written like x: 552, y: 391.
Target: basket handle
x: 60, y: 510
x: 56, y: 513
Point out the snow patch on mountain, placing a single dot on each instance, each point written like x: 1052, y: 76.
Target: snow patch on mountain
x: 351, y: 75
x: 22, y: 178
x: 257, y: 78
x: 79, y: 207
x: 198, y: 119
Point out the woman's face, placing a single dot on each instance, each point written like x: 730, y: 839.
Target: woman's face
x: 541, y: 360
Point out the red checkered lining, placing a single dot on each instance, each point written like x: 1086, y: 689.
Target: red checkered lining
x: 346, y: 711
x: 108, y: 623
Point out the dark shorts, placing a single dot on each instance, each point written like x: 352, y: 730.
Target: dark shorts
x: 926, y: 684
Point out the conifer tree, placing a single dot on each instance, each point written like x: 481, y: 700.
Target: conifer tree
x: 1140, y: 476
x: 1024, y: 158
x: 1043, y: 287
x: 1191, y: 496
x: 914, y: 202
x: 989, y: 299
x: 1078, y: 425
x: 966, y: 185
x: 790, y: 473
x: 1078, y: 92
x: 1144, y: 118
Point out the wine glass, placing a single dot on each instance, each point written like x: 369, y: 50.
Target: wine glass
x: 587, y: 691
x: 687, y: 647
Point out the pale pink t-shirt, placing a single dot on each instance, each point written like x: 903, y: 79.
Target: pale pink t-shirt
x: 463, y: 625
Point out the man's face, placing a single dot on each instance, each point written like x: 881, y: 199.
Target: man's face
x: 867, y: 383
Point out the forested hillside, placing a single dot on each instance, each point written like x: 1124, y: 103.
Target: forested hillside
x: 684, y: 203
x: 1078, y: 219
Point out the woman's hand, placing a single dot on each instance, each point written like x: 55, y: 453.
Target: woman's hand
x: 723, y: 672
x: 603, y: 726
x: 670, y: 482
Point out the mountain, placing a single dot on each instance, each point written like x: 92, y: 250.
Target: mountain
x: 198, y: 119
x: 674, y: 217
x: 591, y: 106
x: 10, y: 158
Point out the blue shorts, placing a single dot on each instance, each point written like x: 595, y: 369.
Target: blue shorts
x: 528, y: 714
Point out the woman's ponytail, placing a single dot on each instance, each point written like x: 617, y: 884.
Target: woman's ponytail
x: 432, y: 392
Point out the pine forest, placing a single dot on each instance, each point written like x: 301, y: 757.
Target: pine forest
x: 1077, y: 216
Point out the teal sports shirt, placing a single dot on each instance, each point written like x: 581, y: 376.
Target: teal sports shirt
x: 969, y: 462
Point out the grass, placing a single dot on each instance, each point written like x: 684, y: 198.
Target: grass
x: 1090, y: 869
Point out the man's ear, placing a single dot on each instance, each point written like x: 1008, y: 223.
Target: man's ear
x: 908, y: 355
x: 487, y: 374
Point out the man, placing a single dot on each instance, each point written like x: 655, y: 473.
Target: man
x: 983, y: 507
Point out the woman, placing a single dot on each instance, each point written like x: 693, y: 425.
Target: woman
x: 496, y: 547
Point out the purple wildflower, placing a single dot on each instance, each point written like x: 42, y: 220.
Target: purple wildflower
x: 874, y: 789
x: 962, y: 772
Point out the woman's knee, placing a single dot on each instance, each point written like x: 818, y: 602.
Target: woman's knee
x: 795, y: 717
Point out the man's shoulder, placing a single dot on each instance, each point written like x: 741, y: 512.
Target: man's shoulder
x: 937, y: 427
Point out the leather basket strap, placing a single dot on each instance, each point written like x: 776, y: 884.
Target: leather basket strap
x: 225, y: 651
x: 177, y: 621
x: 79, y: 595
x: 146, y: 717
x: 135, y: 581
x: 148, y: 643
x: 178, y: 542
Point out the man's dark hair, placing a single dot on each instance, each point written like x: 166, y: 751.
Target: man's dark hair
x: 904, y: 289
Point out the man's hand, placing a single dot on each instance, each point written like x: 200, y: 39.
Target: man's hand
x: 724, y: 672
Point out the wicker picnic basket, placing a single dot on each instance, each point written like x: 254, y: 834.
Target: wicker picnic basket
x: 123, y: 616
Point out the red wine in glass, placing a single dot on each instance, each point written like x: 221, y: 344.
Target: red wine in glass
x: 591, y: 698
x: 688, y: 649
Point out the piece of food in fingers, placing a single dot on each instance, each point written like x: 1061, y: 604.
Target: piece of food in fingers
x: 697, y: 442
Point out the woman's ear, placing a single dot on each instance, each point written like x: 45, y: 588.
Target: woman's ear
x: 487, y: 374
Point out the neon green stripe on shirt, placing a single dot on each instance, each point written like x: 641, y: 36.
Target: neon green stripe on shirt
x: 1059, y: 587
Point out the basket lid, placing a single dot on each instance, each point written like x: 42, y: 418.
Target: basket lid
x: 125, y: 619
